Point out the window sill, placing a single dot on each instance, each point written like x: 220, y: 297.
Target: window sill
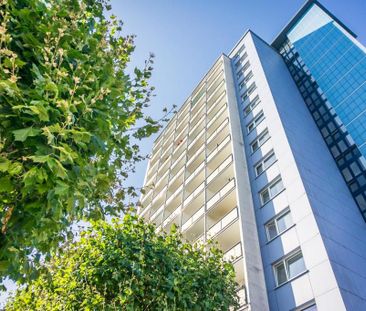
x: 292, y: 279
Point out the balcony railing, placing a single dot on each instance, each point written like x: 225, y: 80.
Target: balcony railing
x: 221, y: 194
x: 198, y: 124
x: 156, y: 213
x: 214, y: 95
x: 234, y: 253
x: 219, y: 148
x: 224, y: 222
x: 178, y: 160
x: 193, y: 219
x: 194, y: 193
x: 195, y: 173
x: 220, y: 168
x: 198, y: 152
x: 217, y: 115
x: 145, y: 210
x: 198, y: 136
x: 172, y: 215
x: 218, y: 130
x: 158, y: 196
x: 176, y: 176
x: 176, y: 192
x: 216, y: 102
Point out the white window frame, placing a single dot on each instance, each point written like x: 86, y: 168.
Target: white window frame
x: 262, y: 163
x: 248, y: 91
x: 255, y: 121
x: 242, y: 70
x: 246, y: 79
x: 275, y: 220
x: 253, y: 103
x: 260, y: 140
x: 284, y: 261
x: 241, y: 60
x: 269, y: 188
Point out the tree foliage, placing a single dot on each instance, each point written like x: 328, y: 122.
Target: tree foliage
x: 68, y: 112
x: 127, y: 266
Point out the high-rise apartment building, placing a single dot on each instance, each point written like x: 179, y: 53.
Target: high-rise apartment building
x: 246, y: 162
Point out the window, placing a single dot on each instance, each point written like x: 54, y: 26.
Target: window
x: 289, y: 267
x: 265, y: 163
x: 310, y: 308
x: 240, y: 50
x: 246, y: 79
x: 241, y: 72
x: 241, y: 60
x: 251, y: 105
x: 256, y: 120
x: 249, y: 91
x: 270, y: 191
x: 260, y: 140
x: 279, y: 224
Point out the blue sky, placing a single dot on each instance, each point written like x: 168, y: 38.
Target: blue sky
x: 187, y: 36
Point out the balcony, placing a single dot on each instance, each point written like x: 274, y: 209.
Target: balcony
x: 172, y: 196
x: 219, y: 111
x: 161, y: 182
x: 190, y: 221
x: 196, y: 144
x: 216, y: 76
x: 178, y: 164
x: 198, y: 108
x: 221, y: 99
x: 212, y: 75
x: 233, y: 253
x: 179, y: 147
x: 213, y: 132
x: 158, y: 212
x: 197, y: 171
x: 195, y: 231
x: 183, y: 123
x: 223, y: 223
x: 221, y: 194
x: 176, y: 180
x: 224, y: 164
x: 216, y: 94
x: 197, y: 129
x: 215, y: 85
x: 215, y: 140
x: 159, y: 198
x: 173, y: 217
x: 196, y: 159
x: 219, y: 147
x: 193, y: 194
x: 197, y: 94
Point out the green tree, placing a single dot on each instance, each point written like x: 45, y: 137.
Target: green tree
x: 69, y: 119
x: 127, y: 266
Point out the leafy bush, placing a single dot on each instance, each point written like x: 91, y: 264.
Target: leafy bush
x: 127, y: 266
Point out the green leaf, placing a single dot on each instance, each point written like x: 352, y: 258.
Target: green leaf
x: 23, y: 134
x: 4, y: 164
x: 6, y: 184
x: 61, y: 188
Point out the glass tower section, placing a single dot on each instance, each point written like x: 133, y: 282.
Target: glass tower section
x: 329, y: 68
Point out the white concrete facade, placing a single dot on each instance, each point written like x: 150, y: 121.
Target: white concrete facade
x: 243, y: 163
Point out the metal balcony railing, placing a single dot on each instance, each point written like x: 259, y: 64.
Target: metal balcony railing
x: 217, y: 115
x: 198, y: 152
x: 224, y: 222
x: 195, y: 173
x: 219, y: 148
x: 176, y: 192
x: 221, y: 194
x: 194, y: 194
x: 220, y: 168
x: 218, y: 130
x: 172, y: 215
x: 193, y: 219
x: 234, y: 253
x: 156, y: 213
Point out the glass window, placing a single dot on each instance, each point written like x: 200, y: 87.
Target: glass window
x: 310, y: 308
x: 289, y: 267
x: 260, y: 140
x: 249, y: 91
x: 279, y: 224
x: 251, y: 105
x: 256, y: 120
x: 270, y: 191
x: 265, y: 163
